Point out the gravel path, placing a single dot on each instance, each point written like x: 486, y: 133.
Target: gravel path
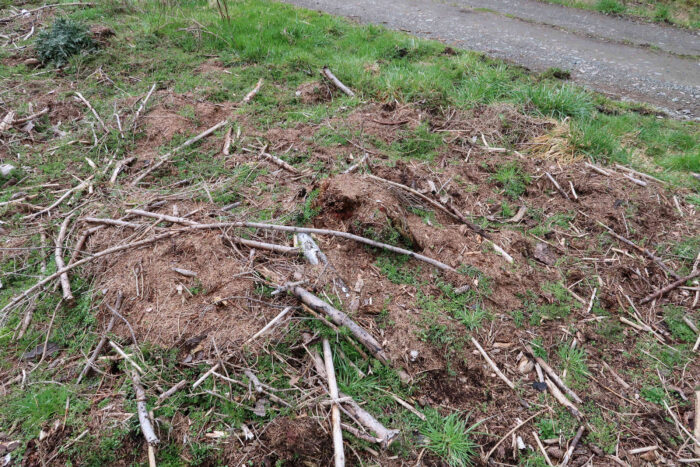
x: 637, y: 61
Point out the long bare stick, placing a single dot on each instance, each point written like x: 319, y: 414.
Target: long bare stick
x: 696, y: 430
x: 94, y: 112
x: 145, y: 422
x: 102, y: 342
x: 572, y: 446
x: 341, y: 319
x: 669, y: 287
x: 287, y: 228
x: 274, y: 321
x: 70, y: 267
x: 335, y: 411
x: 248, y: 97
x: 164, y: 158
x: 492, y: 364
x: 118, y: 168
x: 336, y: 82
x: 557, y: 186
x: 279, y: 162
x: 61, y: 199
x: 513, y: 430
x: 125, y: 356
x: 552, y: 374
x: 65, y: 283
x: 171, y: 391
x: 142, y: 106
x: 283, y: 249
x: 648, y: 253
x: 542, y: 449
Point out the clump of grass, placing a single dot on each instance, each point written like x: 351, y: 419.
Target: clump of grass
x: 396, y: 269
x: 573, y: 361
x: 449, y: 438
x: 64, y: 39
x: 662, y: 13
x: 610, y: 7
x: 673, y: 316
x: 512, y: 179
x: 558, y: 102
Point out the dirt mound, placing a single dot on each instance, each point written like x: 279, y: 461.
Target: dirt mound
x: 315, y: 92
x: 299, y: 441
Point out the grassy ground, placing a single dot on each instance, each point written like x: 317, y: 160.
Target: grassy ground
x: 170, y: 45
x: 685, y: 13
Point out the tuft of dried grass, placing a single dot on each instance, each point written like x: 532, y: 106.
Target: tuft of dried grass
x: 555, y: 144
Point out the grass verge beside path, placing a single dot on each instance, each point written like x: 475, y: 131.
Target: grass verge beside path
x: 684, y: 13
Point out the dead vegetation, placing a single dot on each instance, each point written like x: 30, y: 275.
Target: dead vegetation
x: 496, y: 270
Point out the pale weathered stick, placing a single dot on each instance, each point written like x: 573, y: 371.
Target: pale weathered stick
x: 561, y: 398
x: 94, y: 112
x: 248, y: 97
x: 492, y: 364
x: 542, y: 449
x: 205, y: 376
x: 385, y: 436
x: 164, y: 158
x: 669, y: 287
x: 53, y: 5
x: 597, y: 169
x: 640, y: 173
x: 97, y: 255
x: 61, y: 199
x: 146, y: 428
x: 171, y: 391
x: 336, y: 82
x: 648, y: 253
x: 552, y: 374
x: 283, y: 249
x: 65, y: 283
x: 335, y: 411
x: 125, y: 356
x: 287, y: 228
x: 341, y: 319
x: 118, y: 168
x: 142, y: 106
x: 557, y: 186
x: 513, y: 430
x: 274, y: 321
x: 19, y: 121
x: 572, y: 446
x: 696, y: 430
x: 102, y: 342
x: 277, y: 161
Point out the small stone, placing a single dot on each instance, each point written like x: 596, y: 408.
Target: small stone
x: 413, y: 355
x: 32, y: 62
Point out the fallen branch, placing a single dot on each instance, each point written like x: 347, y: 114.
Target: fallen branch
x: 91, y: 361
x: 341, y: 319
x: 541, y: 448
x: 561, y: 398
x: 205, y: 376
x: 165, y: 157
x: 335, y: 411
x: 385, y: 436
x: 595, y: 168
x: 326, y: 72
x: 648, y: 253
x: 277, y: 161
x: 572, y: 446
x: 123, y: 355
x: 269, y: 325
x: 557, y: 186
x: 142, y: 106
x: 118, y: 168
x: 171, y: 391
x: 145, y: 422
x: 622, y: 167
x: 696, y: 430
x: 61, y: 199
x: 58, y: 255
x: 94, y: 112
x: 70, y: 267
x: 28, y: 118
x: 507, y: 435
x: 287, y: 228
x: 548, y: 369
x: 492, y: 364
x: 669, y: 287
x: 282, y: 249
x: 248, y: 97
